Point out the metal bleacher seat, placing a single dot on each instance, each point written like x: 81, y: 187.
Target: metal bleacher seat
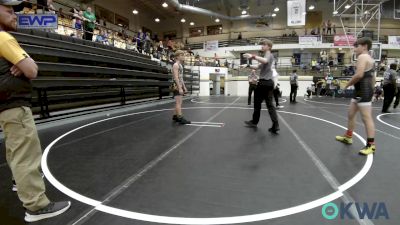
x: 71, y: 69
x: 67, y: 38
x: 54, y: 36
x: 25, y: 31
x: 78, y: 41
x: 40, y: 33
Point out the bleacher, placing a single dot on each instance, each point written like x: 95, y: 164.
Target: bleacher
x: 76, y: 73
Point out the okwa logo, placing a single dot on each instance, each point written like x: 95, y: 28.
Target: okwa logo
x: 351, y: 211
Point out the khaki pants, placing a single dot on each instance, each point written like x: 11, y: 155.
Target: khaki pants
x: 23, y: 153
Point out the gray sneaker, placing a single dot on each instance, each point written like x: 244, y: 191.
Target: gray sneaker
x: 51, y: 210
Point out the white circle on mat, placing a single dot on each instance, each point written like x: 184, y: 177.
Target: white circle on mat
x: 201, y: 221
x: 390, y: 125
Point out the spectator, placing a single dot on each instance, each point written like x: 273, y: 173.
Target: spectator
x: 378, y: 93
x: 147, y: 43
x: 253, y: 79
x: 50, y: 7
x: 190, y: 52
x: 389, y: 87
x: 329, y: 30
x: 216, y: 60
x: 156, y: 39
x: 334, y: 28
x: 139, y: 42
x: 320, y: 83
x: 240, y: 36
x: 313, y: 64
x: 124, y: 35
x: 23, y: 149
x: 77, y: 24
x: 293, y: 86
x: 42, y: 4
x: 170, y: 44
x: 293, y: 60
x: 309, y: 88
x: 89, y: 23
x: 132, y: 45
x: 160, y: 49
x: 324, y: 27
x: 61, y: 13
x: 100, y: 37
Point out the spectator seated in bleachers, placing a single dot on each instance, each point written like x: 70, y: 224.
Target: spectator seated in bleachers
x: 101, y: 38
x: 131, y: 45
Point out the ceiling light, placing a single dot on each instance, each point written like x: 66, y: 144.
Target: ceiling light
x: 191, y: 23
x: 183, y: 20
x: 366, y: 12
x: 276, y: 9
x: 220, y: 28
x: 135, y: 12
x: 165, y: 5
x: 199, y: 31
x: 217, y: 20
x: 273, y: 14
x: 347, y: 6
x: 311, y: 7
x: 244, y: 12
x: 157, y: 20
x: 335, y: 12
x: 304, y: 13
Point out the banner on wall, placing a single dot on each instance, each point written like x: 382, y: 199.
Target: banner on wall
x: 296, y: 13
x: 312, y: 40
x: 341, y: 40
x: 394, y: 40
x: 211, y: 46
x: 396, y: 9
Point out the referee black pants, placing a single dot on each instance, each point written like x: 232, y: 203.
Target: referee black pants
x: 293, y: 92
x: 252, y: 88
x: 265, y: 91
x: 388, y: 92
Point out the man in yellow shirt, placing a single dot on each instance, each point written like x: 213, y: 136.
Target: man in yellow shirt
x: 23, y: 150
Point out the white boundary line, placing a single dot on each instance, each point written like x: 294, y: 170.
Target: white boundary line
x: 328, y: 103
x: 283, y: 100
x: 390, y: 125
x: 208, y: 123
x: 204, y: 125
x: 201, y: 221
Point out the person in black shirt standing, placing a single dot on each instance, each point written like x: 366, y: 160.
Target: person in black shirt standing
x: 389, y: 87
x: 293, y: 86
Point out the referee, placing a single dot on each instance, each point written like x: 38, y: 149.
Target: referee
x: 265, y: 86
x: 389, y: 87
